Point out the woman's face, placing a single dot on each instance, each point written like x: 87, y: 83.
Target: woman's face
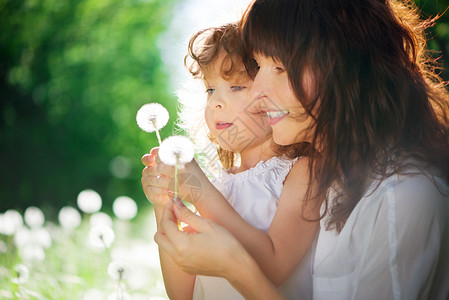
x: 286, y: 115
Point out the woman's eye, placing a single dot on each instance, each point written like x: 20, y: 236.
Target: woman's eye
x: 237, y: 88
x: 279, y: 69
x: 210, y: 91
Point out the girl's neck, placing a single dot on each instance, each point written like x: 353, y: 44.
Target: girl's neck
x: 250, y: 157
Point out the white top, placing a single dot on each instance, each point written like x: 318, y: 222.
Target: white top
x: 394, y: 245
x: 254, y: 194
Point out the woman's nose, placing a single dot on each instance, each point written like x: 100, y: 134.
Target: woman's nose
x: 258, y: 86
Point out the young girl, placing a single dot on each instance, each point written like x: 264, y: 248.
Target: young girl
x: 260, y: 204
x: 351, y: 78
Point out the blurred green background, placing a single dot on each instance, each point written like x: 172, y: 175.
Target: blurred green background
x: 72, y: 76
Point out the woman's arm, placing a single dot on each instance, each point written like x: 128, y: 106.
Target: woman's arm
x: 212, y: 251
x: 279, y: 251
x: 178, y: 284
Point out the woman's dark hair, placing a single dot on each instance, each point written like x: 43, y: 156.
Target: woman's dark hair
x: 378, y: 105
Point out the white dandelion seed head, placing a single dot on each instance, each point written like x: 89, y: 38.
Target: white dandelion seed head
x: 10, y: 221
x: 32, y: 252
x: 22, y: 274
x: 41, y: 236
x: 124, y: 208
x: 176, y: 149
x: 69, y: 217
x: 119, y: 270
x: 34, y: 217
x: 89, y: 201
x: 101, y: 236
x: 22, y: 237
x: 100, y: 219
x: 35, y: 236
x: 119, y: 295
x: 150, y: 115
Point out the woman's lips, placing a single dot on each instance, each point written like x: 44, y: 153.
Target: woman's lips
x: 275, y: 116
x: 223, y: 125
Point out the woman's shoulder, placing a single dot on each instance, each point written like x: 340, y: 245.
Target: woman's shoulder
x: 416, y: 191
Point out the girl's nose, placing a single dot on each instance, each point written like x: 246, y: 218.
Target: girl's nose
x: 216, y: 101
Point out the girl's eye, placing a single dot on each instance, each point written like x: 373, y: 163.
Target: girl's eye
x: 237, y: 88
x: 210, y: 91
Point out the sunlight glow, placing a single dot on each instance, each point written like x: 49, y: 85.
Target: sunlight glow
x: 189, y: 17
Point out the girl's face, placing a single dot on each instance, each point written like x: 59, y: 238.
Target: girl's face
x: 236, y: 122
x: 286, y: 115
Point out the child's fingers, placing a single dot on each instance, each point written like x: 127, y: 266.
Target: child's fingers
x: 154, y: 151
x: 148, y: 160
x: 166, y: 170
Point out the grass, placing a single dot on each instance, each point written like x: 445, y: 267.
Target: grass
x: 73, y: 269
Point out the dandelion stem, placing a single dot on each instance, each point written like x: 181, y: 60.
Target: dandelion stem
x: 176, y: 180
x: 176, y: 184
x: 105, y: 246
x: 153, y: 121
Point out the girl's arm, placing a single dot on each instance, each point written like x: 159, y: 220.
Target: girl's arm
x: 290, y: 236
x: 178, y: 284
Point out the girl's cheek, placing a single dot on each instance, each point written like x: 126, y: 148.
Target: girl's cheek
x: 208, y: 118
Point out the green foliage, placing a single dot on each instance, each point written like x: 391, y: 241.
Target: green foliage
x: 438, y: 35
x: 72, y: 76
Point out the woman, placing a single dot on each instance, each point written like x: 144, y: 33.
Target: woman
x: 351, y: 78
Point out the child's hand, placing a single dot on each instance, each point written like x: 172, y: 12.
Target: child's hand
x: 154, y: 184
x: 191, y: 179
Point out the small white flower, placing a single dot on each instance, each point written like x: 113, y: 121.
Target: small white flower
x: 124, y: 208
x: 69, y: 217
x: 152, y: 116
x: 119, y: 295
x: 41, y: 236
x: 89, y: 201
x: 101, y: 236
x: 10, y: 221
x: 22, y: 237
x: 34, y: 217
x: 32, y: 252
x: 100, y: 219
x: 22, y: 274
x: 119, y: 270
x: 176, y: 149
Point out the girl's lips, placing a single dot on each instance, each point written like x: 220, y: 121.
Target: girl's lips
x: 275, y: 116
x: 222, y: 125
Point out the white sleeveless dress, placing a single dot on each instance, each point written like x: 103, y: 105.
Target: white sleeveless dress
x: 254, y: 194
